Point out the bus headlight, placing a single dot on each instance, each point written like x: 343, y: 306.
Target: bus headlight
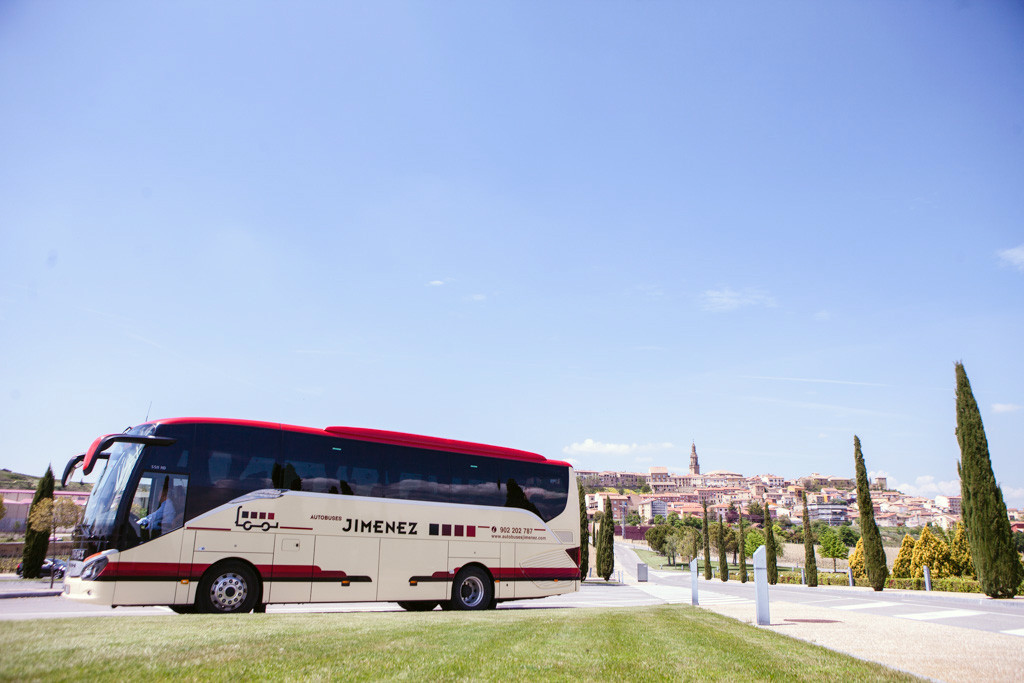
x: 94, y: 568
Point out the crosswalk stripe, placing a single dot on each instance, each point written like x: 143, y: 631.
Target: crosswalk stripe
x: 940, y: 614
x: 866, y: 605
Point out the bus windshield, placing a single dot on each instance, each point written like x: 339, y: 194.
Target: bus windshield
x: 101, y: 511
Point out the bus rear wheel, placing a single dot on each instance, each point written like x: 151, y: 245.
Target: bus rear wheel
x: 472, y: 589
x: 417, y: 605
x: 228, y: 588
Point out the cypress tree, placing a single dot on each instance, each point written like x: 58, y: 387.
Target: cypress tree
x: 810, y: 562
x: 874, y: 554
x: 707, y: 545
x: 723, y: 561
x: 904, y: 559
x: 988, y: 528
x: 743, y: 553
x: 36, y: 542
x: 606, y: 543
x: 771, y: 560
x: 584, y: 534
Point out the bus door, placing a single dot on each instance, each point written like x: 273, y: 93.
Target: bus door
x: 506, y: 589
x: 150, y: 568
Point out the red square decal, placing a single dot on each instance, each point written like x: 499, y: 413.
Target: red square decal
x: 446, y: 529
x: 458, y: 529
x: 263, y: 515
x: 270, y: 515
x: 471, y: 531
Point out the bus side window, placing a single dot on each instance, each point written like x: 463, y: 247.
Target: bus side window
x: 476, y: 480
x: 230, y: 461
x: 538, y: 487
x: 415, y: 474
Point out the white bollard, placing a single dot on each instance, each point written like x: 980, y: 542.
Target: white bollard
x: 693, y: 582
x: 761, y: 587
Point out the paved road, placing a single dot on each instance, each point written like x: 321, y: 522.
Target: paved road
x: 591, y: 595
x: 964, y: 610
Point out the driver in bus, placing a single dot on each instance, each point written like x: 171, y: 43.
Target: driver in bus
x: 169, y: 513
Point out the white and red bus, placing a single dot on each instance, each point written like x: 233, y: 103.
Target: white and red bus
x: 216, y: 515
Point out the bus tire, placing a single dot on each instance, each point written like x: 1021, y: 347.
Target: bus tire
x: 417, y: 605
x: 228, y: 588
x: 472, y: 590
x: 183, y: 609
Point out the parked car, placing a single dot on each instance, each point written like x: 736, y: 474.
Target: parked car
x: 57, y: 567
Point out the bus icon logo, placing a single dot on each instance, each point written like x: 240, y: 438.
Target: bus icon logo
x: 247, y: 519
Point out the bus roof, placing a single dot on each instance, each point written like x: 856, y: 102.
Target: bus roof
x: 381, y: 436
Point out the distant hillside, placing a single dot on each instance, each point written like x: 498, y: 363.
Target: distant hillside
x: 13, y: 480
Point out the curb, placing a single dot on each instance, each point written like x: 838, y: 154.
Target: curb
x: 31, y: 594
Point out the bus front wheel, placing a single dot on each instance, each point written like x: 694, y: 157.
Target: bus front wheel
x: 228, y: 588
x: 472, y: 589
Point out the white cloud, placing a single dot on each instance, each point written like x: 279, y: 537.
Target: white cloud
x: 478, y: 297
x: 1013, y: 257
x: 591, y: 447
x: 1013, y: 497
x: 723, y: 300
x: 1006, y: 408
x: 926, y: 487
x: 435, y: 283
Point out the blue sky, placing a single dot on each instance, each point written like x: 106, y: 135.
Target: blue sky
x: 599, y: 231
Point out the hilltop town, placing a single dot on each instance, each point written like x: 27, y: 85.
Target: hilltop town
x: 831, y: 499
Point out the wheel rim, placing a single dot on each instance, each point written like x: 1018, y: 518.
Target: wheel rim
x: 471, y: 592
x: 228, y: 591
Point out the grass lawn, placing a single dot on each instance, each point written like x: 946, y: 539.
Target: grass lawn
x: 660, y: 643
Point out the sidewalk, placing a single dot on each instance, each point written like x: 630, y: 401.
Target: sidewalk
x: 931, y: 650
x: 13, y: 587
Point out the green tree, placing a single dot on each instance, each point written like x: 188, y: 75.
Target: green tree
x: 874, y: 554
x: 36, y: 541
x: 723, y: 562
x: 741, y: 544
x: 984, y: 512
x: 707, y: 545
x: 755, y: 511
x: 857, y: 560
x: 810, y: 562
x: 633, y: 518
x: 645, y: 488
x: 671, y: 547
x: 848, y: 535
x: 584, y: 534
x: 606, y: 546
x: 771, y: 548
x: 960, y: 560
x: 931, y: 552
x: 752, y: 540
x: 688, y: 538
x: 655, y: 537
x: 832, y: 545
x: 901, y: 566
